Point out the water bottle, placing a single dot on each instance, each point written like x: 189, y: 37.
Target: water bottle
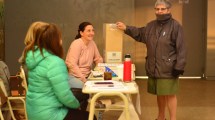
x: 127, y: 68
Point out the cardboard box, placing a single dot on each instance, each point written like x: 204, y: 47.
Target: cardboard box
x: 113, y: 38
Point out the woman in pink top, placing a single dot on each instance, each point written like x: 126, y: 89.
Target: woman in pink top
x: 82, y: 54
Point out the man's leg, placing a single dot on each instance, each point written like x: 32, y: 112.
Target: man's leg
x: 161, y: 101
x: 172, y: 106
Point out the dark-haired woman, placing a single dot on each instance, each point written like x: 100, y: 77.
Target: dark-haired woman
x: 82, y: 54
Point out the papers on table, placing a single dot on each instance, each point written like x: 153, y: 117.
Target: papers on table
x: 97, y: 73
x: 105, y: 85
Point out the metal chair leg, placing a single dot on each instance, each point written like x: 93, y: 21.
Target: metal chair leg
x: 96, y: 96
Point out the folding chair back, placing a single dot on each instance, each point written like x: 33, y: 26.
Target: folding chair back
x: 21, y: 75
x: 3, y: 98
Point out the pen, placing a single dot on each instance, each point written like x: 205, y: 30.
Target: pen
x: 102, y: 85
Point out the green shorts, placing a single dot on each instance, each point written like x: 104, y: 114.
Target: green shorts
x: 163, y: 86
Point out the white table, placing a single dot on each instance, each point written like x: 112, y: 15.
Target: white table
x: 118, y: 88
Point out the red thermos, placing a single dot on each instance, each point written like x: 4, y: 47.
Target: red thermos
x: 127, y: 68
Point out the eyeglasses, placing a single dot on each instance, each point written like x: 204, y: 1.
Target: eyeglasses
x: 162, y: 9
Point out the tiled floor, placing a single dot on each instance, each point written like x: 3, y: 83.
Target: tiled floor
x: 196, y: 101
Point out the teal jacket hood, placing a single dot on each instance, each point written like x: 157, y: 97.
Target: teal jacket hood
x: 34, y: 58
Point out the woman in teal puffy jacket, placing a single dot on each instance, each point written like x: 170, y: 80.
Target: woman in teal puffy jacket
x: 49, y: 96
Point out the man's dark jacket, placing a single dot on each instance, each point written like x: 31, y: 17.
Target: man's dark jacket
x: 166, y: 52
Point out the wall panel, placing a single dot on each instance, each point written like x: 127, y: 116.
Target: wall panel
x: 210, y: 66
x: 67, y: 14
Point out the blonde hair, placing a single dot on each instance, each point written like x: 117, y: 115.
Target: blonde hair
x: 30, y: 34
x: 44, y: 36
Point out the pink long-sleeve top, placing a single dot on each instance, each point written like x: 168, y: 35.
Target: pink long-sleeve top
x: 80, y: 58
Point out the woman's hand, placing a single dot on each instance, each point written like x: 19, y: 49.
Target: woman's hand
x: 84, y: 80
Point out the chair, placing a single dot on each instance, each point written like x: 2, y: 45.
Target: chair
x: 23, y: 76
x: 19, y: 101
x: 121, y: 107
x: 3, y: 98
